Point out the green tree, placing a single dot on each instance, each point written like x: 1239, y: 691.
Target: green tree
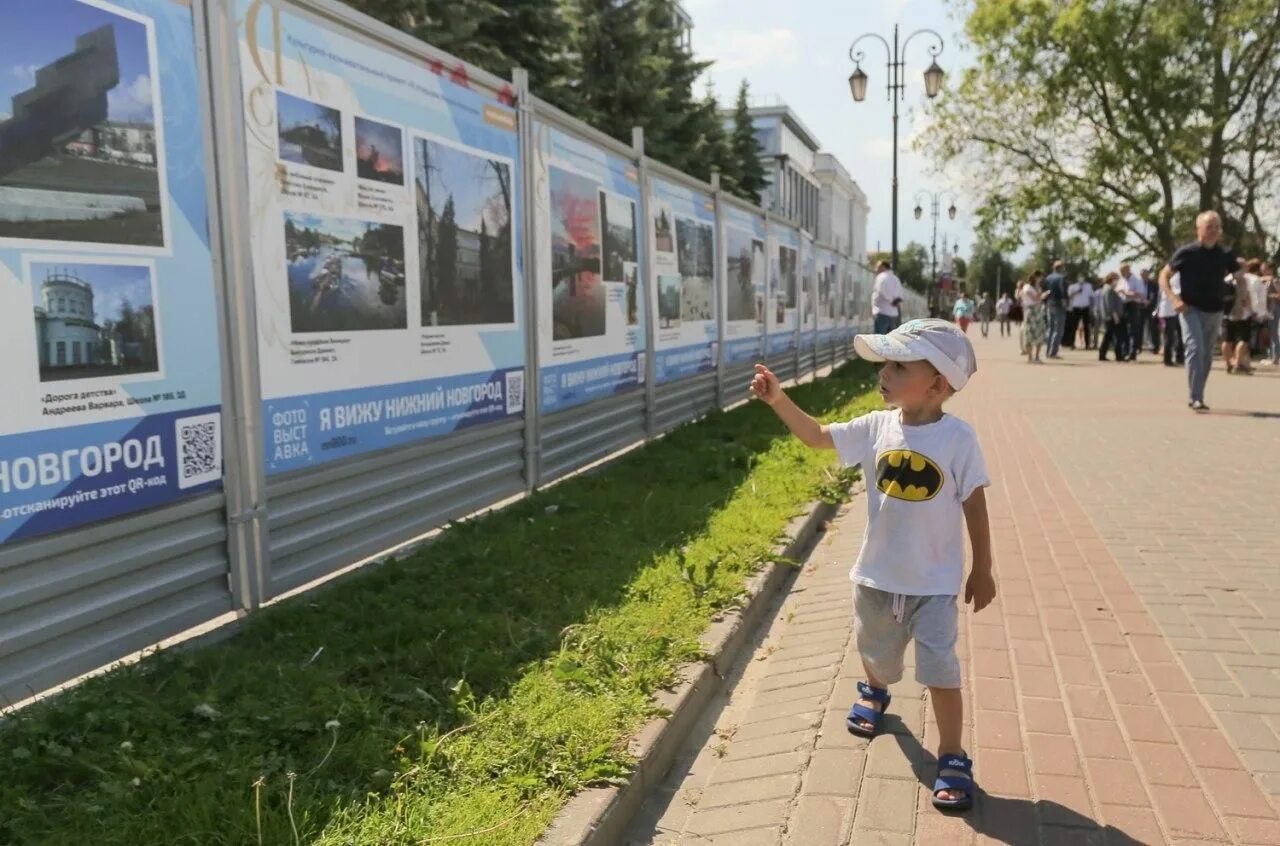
x: 716, y: 153
x: 613, y: 89
x: 752, y: 178
x: 454, y: 26
x: 536, y: 35
x: 677, y: 125
x: 1119, y: 116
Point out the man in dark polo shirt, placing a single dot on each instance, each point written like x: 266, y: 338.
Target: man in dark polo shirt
x: 1202, y: 266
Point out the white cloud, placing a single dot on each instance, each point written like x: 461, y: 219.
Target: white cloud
x: 744, y: 49
x: 25, y: 74
x: 131, y: 102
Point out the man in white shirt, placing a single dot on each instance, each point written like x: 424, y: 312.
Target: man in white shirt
x: 886, y: 299
x: 1134, y: 292
x: 1174, y: 354
x: 1080, y: 298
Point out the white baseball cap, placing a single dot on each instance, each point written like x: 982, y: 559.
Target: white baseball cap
x: 938, y: 342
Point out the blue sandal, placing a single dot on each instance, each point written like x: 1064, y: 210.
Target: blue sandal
x: 955, y: 772
x: 862, y: 712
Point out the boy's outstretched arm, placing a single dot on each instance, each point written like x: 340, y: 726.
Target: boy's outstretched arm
x: 765, y: 386
x: 981, y: 587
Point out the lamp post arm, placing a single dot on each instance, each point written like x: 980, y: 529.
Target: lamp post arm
x: 934, y: 50
x: 857, y: 57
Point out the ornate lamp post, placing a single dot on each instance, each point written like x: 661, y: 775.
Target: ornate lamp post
x: 896, y: 54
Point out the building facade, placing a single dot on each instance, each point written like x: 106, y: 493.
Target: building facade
x: 66, y: 333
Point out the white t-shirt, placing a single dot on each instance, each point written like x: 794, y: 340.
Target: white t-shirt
x: 1004, y: 306
x: 1082, y: 295
x: 1164, y: 307
x: 887, y: 288
x: 918, y: 478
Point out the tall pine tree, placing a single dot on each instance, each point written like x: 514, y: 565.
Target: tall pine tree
x: 536, y: 35
x: 677, y: 126
x: 615, y: 88
x: 450, y: 25
x: 752, y: 178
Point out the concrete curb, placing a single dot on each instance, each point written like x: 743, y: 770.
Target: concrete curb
x: 600, y: 816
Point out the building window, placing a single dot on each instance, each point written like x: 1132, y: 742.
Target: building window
x: 75, y: 352
x: 62, y: 353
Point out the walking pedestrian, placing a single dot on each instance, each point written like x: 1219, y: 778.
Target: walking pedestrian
x: 1033, y: 328
x: 1134, y: 292
x: 1079, y: 299
x: 1055, y: 303
x: 1149, y: 313
x: 1259, y: 287
x: 985, y: 309
x: 1095, y: 312
x: 1202, y: 265
x: 1004, y: 309
x: 1273, y: 306
x: 926, y: 479
x: 1113, y: 314
x: 963, y: 310
x: 886, y: 299
x: 1169, y: 325
x: 1238, y: 325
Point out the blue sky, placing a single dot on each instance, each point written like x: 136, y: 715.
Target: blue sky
x: 112, y: 284
x: 799, y: 52
x: 52, y: 33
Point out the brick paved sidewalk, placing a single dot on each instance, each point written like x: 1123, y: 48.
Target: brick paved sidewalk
x: 1125, y: 687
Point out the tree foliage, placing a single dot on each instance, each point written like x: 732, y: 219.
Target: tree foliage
x: 1119, y: 119
x: 613, y: 64
x: 753, y: 179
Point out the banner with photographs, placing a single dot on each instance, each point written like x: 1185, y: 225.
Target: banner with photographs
x: 107, y: 300
x: 808, y: 294
x: 682, y: 234
x: 591, y: 335
x: 385, y: 243
x: 782, y: 314
x: 828, y: 286
x: 744, y: 271
x: 844, y: 319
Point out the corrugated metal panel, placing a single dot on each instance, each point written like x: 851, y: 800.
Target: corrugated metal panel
x: 807, y: 360
x: 76, y: 601
x: 324, y: 519
x: 736, y: 379
x: 783, y: 365
x: 578, y: 436
x: 685, y: 400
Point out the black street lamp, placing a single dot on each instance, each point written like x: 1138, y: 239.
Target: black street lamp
x: 935, y: 205
x: 896, y: 62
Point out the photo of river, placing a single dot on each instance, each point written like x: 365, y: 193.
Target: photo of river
x: 344, y: 276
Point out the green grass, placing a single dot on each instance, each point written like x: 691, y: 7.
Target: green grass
x: 470, y: 687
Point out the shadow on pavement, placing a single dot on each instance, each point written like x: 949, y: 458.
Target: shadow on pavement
x: 1016, y: 822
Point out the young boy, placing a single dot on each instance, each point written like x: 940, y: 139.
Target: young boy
x: 925, y: 472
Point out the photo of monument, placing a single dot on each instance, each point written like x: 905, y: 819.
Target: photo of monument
x: 787, y: 275
x: 94, y: 320
x: 80, y: 159
x: 695, y: 258
x: 464, y: 236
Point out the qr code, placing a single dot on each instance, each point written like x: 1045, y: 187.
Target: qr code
x: 199, y: 443
x: 515, y: 391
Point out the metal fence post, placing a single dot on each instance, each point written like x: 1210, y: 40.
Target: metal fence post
x: 646, y: 275
x: 245, y: 486
x: 529, y: 271
x: 720, y: 287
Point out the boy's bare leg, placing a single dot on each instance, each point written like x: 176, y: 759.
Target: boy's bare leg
x: 948, y: 708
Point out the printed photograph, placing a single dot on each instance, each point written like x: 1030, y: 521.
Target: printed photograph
x: 618, y: 223
x: 310, y: 134
x: 631, y: 278
x: 780, y: 313
x: 79, y: 156
x: 344, y: 275
x: 787, y: 274
x: 94, y: 320
x: 578, y: 296
x: 826, y: 275
x: 669, y: 295
x: 464, y: 236
x: 741, y: 281
x: 695, y: 259
x: 663, y: 237
x: 379, y: 152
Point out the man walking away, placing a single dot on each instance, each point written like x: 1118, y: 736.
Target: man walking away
x: 886, y: 299
x: 1055, y: 286
x: 1095, y: 312
x: 1149, y: 315
x: 1003, y: 309
x: 1134, y: 292
x: 985, y: 307
x: 1202, y: 265
x: 1080, y: 296
x: 1117, y: 333
x: 1168, y: 317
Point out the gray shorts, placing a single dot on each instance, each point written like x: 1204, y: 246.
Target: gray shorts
x: 883, y: 623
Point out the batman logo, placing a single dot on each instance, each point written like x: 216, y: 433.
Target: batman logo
x: 906, y: 475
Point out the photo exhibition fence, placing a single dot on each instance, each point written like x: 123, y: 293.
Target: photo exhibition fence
x: 284, y: 288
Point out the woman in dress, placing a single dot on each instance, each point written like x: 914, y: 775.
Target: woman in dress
x: 1035, y: 324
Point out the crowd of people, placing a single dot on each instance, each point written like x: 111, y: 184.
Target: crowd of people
x: 1204, y: 301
